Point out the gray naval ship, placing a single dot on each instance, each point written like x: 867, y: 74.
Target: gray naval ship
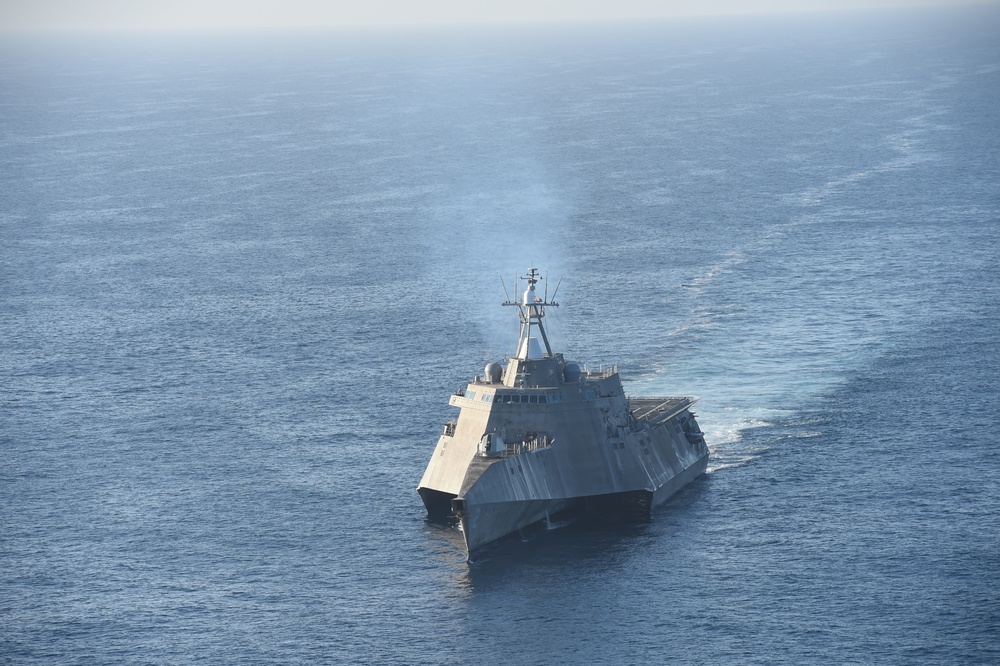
x: 540, y: 435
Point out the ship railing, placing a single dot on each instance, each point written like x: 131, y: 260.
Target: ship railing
x: 531, y: 442
x: 601, y: 372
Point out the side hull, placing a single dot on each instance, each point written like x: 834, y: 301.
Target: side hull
x: 664, y: 492
x: 482, y: 524
x: 437, y: 502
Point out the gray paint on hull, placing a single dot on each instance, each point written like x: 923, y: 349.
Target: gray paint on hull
x: 513, y: 493
x: 568, y: 434
x: 596, y: 442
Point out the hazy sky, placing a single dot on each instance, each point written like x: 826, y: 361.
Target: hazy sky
x: 129, y: 14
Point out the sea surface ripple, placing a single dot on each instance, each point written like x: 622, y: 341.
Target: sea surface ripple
x: 240, y: 276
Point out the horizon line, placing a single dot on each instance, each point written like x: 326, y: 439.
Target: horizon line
x: 303, y: 25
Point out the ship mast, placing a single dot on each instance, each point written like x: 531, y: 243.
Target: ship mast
x: 531, y: 310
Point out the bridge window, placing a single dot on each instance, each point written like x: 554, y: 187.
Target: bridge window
x: 520, y: 398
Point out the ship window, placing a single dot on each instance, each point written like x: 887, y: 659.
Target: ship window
x: 533, y: 399
x: 541, y: 399
x: 508, y: 398
x: 470, y: 395
x: 486, y: 397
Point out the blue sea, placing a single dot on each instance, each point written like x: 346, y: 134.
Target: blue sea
x: 241, y: 274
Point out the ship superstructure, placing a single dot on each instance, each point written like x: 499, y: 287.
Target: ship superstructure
x: 540, y: 434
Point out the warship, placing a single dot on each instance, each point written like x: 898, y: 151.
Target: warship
x: 538, y: 434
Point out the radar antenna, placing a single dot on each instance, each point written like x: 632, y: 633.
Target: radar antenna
x: 531, y: 310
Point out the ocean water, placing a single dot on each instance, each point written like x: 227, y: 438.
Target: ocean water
x: 241, y: 274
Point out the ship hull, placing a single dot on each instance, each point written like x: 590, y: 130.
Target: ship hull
x: 671, y: 487
x: 487, y: 522
x: 483, y: 524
